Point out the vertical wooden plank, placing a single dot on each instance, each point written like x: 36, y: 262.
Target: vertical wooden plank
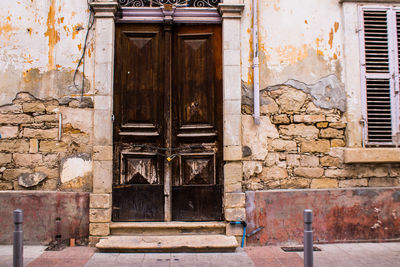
x: 167, y: 119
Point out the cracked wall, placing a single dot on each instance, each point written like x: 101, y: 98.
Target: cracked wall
x: 40, y: 45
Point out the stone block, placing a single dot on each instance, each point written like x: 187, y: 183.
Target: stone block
x: 232, y: 83
x: 292, y: 160
x: 52, y: 146
x: 232, y: 107
x: 232, y: 153
x: 102, y: 177
x: 50, y: 172
x: 236, y: 214
x: 337, y: 125
x: 339, y: 173
x: 235, y: 200
x: 26, y: 160
x: 302, y: 130
x: 274, y: 173
x: 309, y: 161
x: 102, y: 229
x: 331, y: 133
x: 233, y: 187
x: 100, y: 201
x: 102, y: 128
x: 231, y: 35
x: 338, y: 143
x: 329, y: 161
x: 5, y: 158
x: 31, y: 179
x: 33, y: 146
x: 6, y: 186
x: 103, y: 102
x: 51, y: 160
x: 233, y: 172
x: 324, y: 183
x: 372, y: 155
x: 322, y: 124
x: 309, y: 172
x: 309, y: 118
x: 271, y: 159
x: 104, y: 81
x: 40, y: 134
x: 353, y: 183
x: 15, y: 118
x: 383, y: 182
x: 292, y: 100
x: 18, y: 145
x: 251, y: 168
x: 283, y: 145
x: 234, y: 230
x: 372, y: 171
x: 46, y: 118
x: 8, y: 132
x: 231, y: 57
x: 232, y: 130
x: 280, y: 119
x: 33, y: 107
x: 102, y: 153
x: 295, y: 183
x: 268, y: 106
x: 315, y: 146
x: 12, y: 174
x: 100, y: 215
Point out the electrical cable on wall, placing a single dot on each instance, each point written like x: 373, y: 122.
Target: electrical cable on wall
x: 82, y: 58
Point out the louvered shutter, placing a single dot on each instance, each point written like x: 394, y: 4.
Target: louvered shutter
x: 378, y: 78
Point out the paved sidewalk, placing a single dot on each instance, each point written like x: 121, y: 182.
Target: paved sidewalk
x: 351, y: 254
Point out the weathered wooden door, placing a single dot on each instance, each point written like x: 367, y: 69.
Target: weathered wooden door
x: 168, y: 123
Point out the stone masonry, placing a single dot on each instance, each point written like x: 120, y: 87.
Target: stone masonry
x: 300, y: 145
x: 31, y: 154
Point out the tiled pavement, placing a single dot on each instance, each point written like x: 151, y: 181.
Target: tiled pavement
x: 351, y: 254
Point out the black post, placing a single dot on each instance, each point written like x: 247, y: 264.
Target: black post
x: 308, y: 239
x: 18, y: 238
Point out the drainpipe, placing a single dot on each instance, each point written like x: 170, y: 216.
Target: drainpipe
x: 256, y: 85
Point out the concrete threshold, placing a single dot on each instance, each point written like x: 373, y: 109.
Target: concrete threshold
x: 170, y: 243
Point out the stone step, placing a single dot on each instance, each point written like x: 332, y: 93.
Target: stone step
x: 170, y: 243
x: 166, y: 228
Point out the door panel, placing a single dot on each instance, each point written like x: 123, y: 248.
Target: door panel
x: 138, y: 192
x: 197, y: 102
x: 168, y: 123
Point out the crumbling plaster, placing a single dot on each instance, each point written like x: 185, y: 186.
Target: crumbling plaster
x: 300, y: 40
x: 40, y: 45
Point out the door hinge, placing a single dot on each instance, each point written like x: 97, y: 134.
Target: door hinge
x: 112, y: 117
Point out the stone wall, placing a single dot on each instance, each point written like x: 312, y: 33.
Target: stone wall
x: 31, y: 154
x: 300, y: 141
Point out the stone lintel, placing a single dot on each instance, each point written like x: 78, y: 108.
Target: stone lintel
x: 230, y: 11
x: 371, y: 155
x: 104, y: 9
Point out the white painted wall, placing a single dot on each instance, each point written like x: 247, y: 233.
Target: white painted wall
x: 40, y: 46
x: 299, y: 40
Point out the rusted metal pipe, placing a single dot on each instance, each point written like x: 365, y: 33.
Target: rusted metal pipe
x: 256, y: 85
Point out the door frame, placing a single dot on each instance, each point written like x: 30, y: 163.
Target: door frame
x: 100, y: 200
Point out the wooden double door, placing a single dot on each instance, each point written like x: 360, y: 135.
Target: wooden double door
x: 168, y: 123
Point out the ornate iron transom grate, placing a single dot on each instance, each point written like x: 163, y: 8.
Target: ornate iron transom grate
x: 177, y: 3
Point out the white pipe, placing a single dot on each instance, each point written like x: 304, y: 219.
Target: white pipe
x: 256, y: 85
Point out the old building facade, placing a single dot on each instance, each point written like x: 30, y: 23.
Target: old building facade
x: 109, y: 98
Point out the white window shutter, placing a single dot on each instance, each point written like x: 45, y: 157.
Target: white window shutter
x: 378, y: 77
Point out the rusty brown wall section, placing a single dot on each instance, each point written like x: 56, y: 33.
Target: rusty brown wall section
x: 340, y: 215
x: 41, y: 209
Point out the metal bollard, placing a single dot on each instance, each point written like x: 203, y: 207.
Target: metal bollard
x: 308, y: 239
x: 18, y: 252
